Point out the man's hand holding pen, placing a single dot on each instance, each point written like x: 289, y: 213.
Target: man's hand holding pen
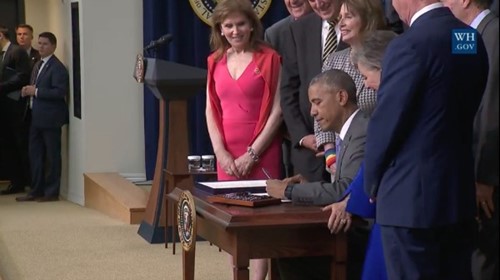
x: 276, y: 188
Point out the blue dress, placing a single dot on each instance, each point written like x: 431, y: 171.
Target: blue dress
x: 360, y: 205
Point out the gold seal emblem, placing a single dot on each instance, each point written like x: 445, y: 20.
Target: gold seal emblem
x: 186, y: 220
x: 204, y: 8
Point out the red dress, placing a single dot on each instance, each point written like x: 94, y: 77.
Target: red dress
x: 240, y: 105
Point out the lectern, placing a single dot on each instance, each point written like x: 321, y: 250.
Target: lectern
x: 172, y: 83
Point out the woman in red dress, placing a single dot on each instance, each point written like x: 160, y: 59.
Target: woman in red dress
x: 243, y: 111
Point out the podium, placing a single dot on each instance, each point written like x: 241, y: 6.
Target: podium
x: 172, y: 83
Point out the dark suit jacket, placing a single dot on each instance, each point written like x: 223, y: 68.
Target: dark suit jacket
x: 348, y: 163
x: 301, y: 62
x: 418, y: 159
x: 494, y: 7
x: 486, y: 123
x: 15, y: 59
x: 34, y: 57
x: 15, y: 74
x: 276, y: 34
x: 49, y: 106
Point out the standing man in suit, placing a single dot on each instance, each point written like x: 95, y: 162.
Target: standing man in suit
x: 276, y: 33
x: 333, y: 104
x: 49, y: 111
x: 24, y: 36
x: 276, y: 36
x: 14, y: 74
x: 418, y: 158
x: 485, y: 258
x: 302, y: 60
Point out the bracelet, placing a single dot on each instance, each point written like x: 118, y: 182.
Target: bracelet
x: 252, y: 154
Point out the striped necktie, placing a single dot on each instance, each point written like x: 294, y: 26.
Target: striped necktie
x: 331, y: 40
x: 338, y: 147
x: 34, y: 72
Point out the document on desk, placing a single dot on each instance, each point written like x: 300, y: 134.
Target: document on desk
x: 220, y: 187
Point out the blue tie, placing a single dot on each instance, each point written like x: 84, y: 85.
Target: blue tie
x: 338, y: 145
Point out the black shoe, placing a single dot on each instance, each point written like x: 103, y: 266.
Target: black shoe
x: 11, y: 189
x: 28, y: 197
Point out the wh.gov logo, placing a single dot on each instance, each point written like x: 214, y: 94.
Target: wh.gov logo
x: 205, y: 8
x: 463, y: 41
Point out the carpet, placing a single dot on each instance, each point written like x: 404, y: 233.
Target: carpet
x: 64, y: 241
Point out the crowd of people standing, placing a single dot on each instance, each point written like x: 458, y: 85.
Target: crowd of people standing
x: 398, y: 130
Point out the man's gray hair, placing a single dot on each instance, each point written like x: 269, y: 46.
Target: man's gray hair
x: 372, y: 49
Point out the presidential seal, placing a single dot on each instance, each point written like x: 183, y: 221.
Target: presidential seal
x: 204, y: 8
x: 186, y: 220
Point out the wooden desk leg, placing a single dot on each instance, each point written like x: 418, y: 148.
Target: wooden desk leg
x: 165, y: 208
x: 339, y: 259
x: 174, y: 226
x: 188, y: 264
x: 240, y: 268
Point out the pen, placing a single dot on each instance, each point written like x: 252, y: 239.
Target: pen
x: 265, y: 173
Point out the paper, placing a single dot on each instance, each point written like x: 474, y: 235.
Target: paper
x: 283, y: 200
x: 235, y: 184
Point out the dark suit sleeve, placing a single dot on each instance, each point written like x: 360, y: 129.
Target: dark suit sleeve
x: 487, y: 156
x: 401, y: 75
x: 21, y: 69
x: 289, y: 92
x: 322, y: 193
x: 59, y: 84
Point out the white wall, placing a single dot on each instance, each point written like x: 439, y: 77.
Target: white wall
x: 109, y: 137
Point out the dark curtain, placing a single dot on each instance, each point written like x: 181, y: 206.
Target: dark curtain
x: 189, y: 46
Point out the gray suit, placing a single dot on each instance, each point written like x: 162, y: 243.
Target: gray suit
x: 494, y: 7
x: 486, y: 153
x: 301, y: 62
x: 319, y: 193
x: 276, y: 34
x: 348, y: 163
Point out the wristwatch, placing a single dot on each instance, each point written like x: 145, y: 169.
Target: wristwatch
x: 288, y: 191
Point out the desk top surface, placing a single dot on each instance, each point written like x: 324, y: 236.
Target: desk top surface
x: 229, y: 216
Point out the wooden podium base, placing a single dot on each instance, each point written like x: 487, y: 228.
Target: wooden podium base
x: 152, y: 228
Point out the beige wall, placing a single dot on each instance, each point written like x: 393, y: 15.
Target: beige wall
x: 109, y: 137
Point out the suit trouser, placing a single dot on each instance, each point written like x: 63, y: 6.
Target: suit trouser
x: 485, y: 257
x: 45, y: 153
x: 16, y: 153
x: 439, y: 253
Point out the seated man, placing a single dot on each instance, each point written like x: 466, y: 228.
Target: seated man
x: 333, y: 104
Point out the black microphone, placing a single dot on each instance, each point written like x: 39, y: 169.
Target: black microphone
x: 160, y: 41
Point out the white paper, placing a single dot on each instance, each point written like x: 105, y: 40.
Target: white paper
x: 235, y: 184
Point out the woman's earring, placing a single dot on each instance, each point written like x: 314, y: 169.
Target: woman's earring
x: 222, y: 34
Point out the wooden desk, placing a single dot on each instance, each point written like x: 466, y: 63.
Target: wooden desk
x: 269, y: 232
x: 184, y: 181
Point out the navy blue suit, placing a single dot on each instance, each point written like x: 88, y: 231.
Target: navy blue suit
x: 418, y: 157
x: 49, y: 113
